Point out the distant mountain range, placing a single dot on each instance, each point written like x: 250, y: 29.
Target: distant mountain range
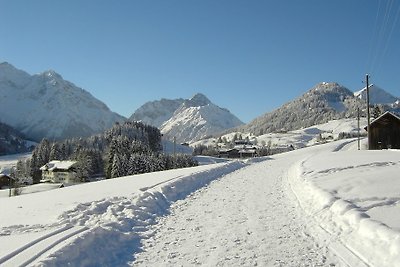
x: 45, y: 105
x: 320, y: 104
x: 187, y: 120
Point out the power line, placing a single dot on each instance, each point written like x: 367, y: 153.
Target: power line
x: 389, y: 38
x: 384, y: 26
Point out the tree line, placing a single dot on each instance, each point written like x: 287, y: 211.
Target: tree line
x: 125, y: 149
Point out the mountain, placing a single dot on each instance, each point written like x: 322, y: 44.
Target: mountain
x: 46, y: 105
x: 322, y: 103
x: 187, y: 119
x: 12, y: 141
x: 376, y: 95
x: 155, y: 113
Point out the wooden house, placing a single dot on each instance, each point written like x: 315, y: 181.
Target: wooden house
x: 59, y: 172
x: 385, y: 132
x: 6, y: 181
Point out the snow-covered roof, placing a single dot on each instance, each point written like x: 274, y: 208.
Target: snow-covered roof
x: 58, y: 165
x: 385, y: 114
x: 5, y: 175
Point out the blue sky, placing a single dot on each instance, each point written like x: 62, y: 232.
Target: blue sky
x: 248, y: 56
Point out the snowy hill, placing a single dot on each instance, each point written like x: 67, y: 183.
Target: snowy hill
x: 323, y: 102
x: 45, y: 105
x: 187, y: 120
x: 376, y: 95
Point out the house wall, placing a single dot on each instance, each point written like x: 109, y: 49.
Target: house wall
x: 384, y: 138
x: 60, y: 177
x: 385, y: 134
x: 4, y: 182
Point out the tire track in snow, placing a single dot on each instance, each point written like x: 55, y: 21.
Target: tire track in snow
x: 249, y: 218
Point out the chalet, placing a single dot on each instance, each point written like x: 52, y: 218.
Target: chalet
x: 59, y: 172
x: 385, y: 132
x: 6, y: 181
x: 244, y: 152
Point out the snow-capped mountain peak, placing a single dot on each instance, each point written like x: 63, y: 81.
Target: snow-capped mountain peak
x: 46, y: 105
x: 186, y: 119
x: 198, y: 100
x: 376, y: 95
x: 51, y: 75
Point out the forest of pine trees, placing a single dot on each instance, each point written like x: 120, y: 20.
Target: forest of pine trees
x: 125, y: 149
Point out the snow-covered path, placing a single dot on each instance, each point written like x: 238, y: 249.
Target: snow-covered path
x: 249, y: 217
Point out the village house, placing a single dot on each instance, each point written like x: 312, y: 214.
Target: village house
x: 242, y: 149
x: 6, y: 181
x: 59, y: 172
x: 385, y: 132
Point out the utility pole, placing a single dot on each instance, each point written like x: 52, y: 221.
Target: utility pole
x: 358, y: 128
x: 368, y: 113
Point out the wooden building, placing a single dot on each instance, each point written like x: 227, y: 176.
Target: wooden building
x: 6, y: 181
x: 385, y: 132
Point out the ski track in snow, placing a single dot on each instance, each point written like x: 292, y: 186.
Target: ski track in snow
x: 41, y: 247
x: 245, y: 218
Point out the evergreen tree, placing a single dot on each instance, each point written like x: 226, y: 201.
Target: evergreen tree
x: 40, y: 156
x: 116, y: 170
x: 44, y: 152
x: 20, y: 171
x: 55, y: 152
x: 110, y: 157
x: 376, y: 112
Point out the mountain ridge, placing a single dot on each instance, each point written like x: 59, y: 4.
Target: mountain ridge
x: 49, y: 106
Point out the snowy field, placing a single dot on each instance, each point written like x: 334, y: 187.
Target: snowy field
x: 327, y: 205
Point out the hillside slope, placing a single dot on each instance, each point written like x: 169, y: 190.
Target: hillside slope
x: 322, y: 103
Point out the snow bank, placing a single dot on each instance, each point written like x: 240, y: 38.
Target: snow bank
x: 349, y: 193
x: 117, y: 224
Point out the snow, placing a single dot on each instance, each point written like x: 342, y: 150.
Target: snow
x: 31, y: 189
x: 318, y: 206
x: 205, y: 160
x: 244, y: 219
x: 357, y: 198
